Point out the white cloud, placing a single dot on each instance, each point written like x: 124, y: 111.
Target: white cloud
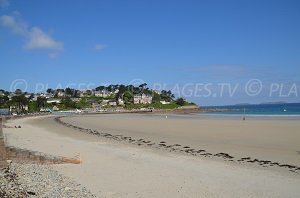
x: 39, y: 39
x: 100, y: 47
x: 35, y: 37
x: 4, y: 3
x: 16, y: 26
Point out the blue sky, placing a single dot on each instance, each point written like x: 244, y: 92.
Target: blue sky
x: 172, y: 43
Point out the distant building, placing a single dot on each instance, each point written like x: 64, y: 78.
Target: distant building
x: 120, y: 101
x: 164, y: 102
x: 112, y: 103
x: 18, y: 109
x: 142, y: 99
x: 34, y: 98
x: 61, y: 94
x: 80, y: 94
x: 47, y: 95
x: 54, y: 100
x: 4, y: 112
x: 157, y: 91
x: 103, y: 93
x: 104, y: 102
x: 75, y: 99
x: 11, y: 95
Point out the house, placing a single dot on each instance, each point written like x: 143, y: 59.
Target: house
x: 11, y: 95
x: 28, y: 96
x: 61, y: 94
x: 47, y: 95
x: 142, y: 99
x: 55, y: 108
x: 81, y: 94
x: 75, y: 99
x: 2, y: 93
x: 103, y: 93
x: 104, y: 102
x: 120, y: 101
x: 4, y: 112
x: 164, y: 102
x: 18, y: 109
x: 112, y: 103
x: 53, y: 100
x: 85, y: 93
x: 157, y: 91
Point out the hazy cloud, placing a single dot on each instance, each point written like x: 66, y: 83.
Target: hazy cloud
x: 100, y: 47
x: 16, y: 26
x: 35, y: 37
x: 52, y: 55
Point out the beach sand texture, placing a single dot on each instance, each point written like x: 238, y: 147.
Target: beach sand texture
x: 113, y: 169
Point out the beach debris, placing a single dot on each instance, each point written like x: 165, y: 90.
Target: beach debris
x: 186, y: 149
x: 224, y: 155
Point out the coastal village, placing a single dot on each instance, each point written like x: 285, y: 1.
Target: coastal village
x: 94, y: 100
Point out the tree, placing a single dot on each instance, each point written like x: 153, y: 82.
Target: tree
x: 3, y: 101
x: 156, y: 97
x: 128, y: 97
x: 41, y: 102
x: 18, y: 91
x: 180, y: 101
x: 167, y: 95
x: 100, y: 88
x: 20, y: 101
x: 122, y: 89
x: 142, y: 87
x: 68, y: 103
x: 69, y: 91
x: 50, y: 91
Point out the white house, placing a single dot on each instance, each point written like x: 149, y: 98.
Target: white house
x: 164, y: 102
x: 54, y: 100
x: 61, y: 94
x: 142, y: 99
x: 103, y: 93
x: 120, y: 101
x: 112, y: 103
x: 104, y: 102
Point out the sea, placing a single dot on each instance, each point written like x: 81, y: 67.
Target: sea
x: 281, y: 110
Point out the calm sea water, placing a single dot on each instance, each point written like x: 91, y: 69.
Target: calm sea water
x: 288, y: 109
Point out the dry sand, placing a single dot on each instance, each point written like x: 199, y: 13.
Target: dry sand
x: 113, y: 169
x: 269, y: 139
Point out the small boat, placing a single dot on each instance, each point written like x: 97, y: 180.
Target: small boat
x: 284, y: 110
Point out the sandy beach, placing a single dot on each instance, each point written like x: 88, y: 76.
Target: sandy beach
x: 113, y: 168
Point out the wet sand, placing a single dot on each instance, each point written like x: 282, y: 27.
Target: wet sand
x: 113, y: 169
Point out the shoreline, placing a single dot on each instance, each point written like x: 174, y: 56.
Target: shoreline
x: 183, y: 149
x: 113, y: 169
